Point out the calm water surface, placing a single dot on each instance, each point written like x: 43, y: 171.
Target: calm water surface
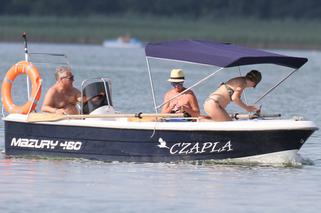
x: 74, y: 185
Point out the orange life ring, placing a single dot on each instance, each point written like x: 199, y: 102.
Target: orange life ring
x: 22, y: 67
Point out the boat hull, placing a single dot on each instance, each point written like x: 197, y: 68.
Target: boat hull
x: 146, y: 145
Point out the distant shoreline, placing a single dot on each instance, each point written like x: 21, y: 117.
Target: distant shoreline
x: 281, y: 34
x: 258, y: 46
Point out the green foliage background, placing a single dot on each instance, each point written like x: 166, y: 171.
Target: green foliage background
x: 261, y: 23
x: 261, y: 9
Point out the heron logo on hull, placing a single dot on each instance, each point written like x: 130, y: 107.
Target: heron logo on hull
x: 196, y: 147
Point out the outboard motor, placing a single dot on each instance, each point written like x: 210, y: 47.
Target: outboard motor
x: 96, y: 94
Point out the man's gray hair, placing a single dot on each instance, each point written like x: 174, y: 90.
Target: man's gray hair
x: 61, y: 70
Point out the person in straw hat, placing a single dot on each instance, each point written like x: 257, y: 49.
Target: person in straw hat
x: 230, y: 91
x: 186, y: 102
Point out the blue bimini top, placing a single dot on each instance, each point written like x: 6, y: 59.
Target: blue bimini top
x: 218, y: 54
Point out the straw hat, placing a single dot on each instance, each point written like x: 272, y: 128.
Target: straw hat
x: 177, y: 75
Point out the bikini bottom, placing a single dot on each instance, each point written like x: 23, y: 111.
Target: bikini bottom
x: 215, y: 101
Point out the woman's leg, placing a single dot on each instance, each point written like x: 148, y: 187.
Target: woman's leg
x: 215, y: 111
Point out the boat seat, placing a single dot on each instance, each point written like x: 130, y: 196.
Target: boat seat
x: 103, y: 110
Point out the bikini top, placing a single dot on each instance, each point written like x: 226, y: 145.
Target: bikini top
x: 230, y: 91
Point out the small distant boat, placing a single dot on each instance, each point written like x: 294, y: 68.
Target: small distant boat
x: 124, y: 42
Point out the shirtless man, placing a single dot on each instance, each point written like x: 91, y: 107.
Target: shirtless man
x: 230, y: 91
x: 186, y: 102
x: 62, y: 97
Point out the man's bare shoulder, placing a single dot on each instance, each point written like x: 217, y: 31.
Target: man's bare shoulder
x: 52, y: 90
x: 169, y: 93
x: 189, y: 92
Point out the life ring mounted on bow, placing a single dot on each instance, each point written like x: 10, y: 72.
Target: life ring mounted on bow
x: 22, y: 67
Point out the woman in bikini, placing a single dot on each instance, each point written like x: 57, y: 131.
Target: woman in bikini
x: 232, y: 90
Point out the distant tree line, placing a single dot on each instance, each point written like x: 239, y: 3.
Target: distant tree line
x: 261, y: 9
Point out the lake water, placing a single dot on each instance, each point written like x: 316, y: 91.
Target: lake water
x: 76, y: 185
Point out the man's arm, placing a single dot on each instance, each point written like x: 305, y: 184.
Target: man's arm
x: 166, y: 107
x: 48, y: 103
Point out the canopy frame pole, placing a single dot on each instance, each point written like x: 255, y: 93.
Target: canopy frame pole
x: 276, y: 85
x: 151, y: 84
x: 24, y: 36
x: 194, y: 85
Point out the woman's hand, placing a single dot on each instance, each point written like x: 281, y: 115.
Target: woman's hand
x: 252, y: 108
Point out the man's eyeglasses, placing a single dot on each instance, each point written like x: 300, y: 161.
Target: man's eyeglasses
x: 68, y: 77
x: 177, y: 84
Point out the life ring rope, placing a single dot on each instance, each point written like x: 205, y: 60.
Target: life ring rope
x: 22, y: 67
